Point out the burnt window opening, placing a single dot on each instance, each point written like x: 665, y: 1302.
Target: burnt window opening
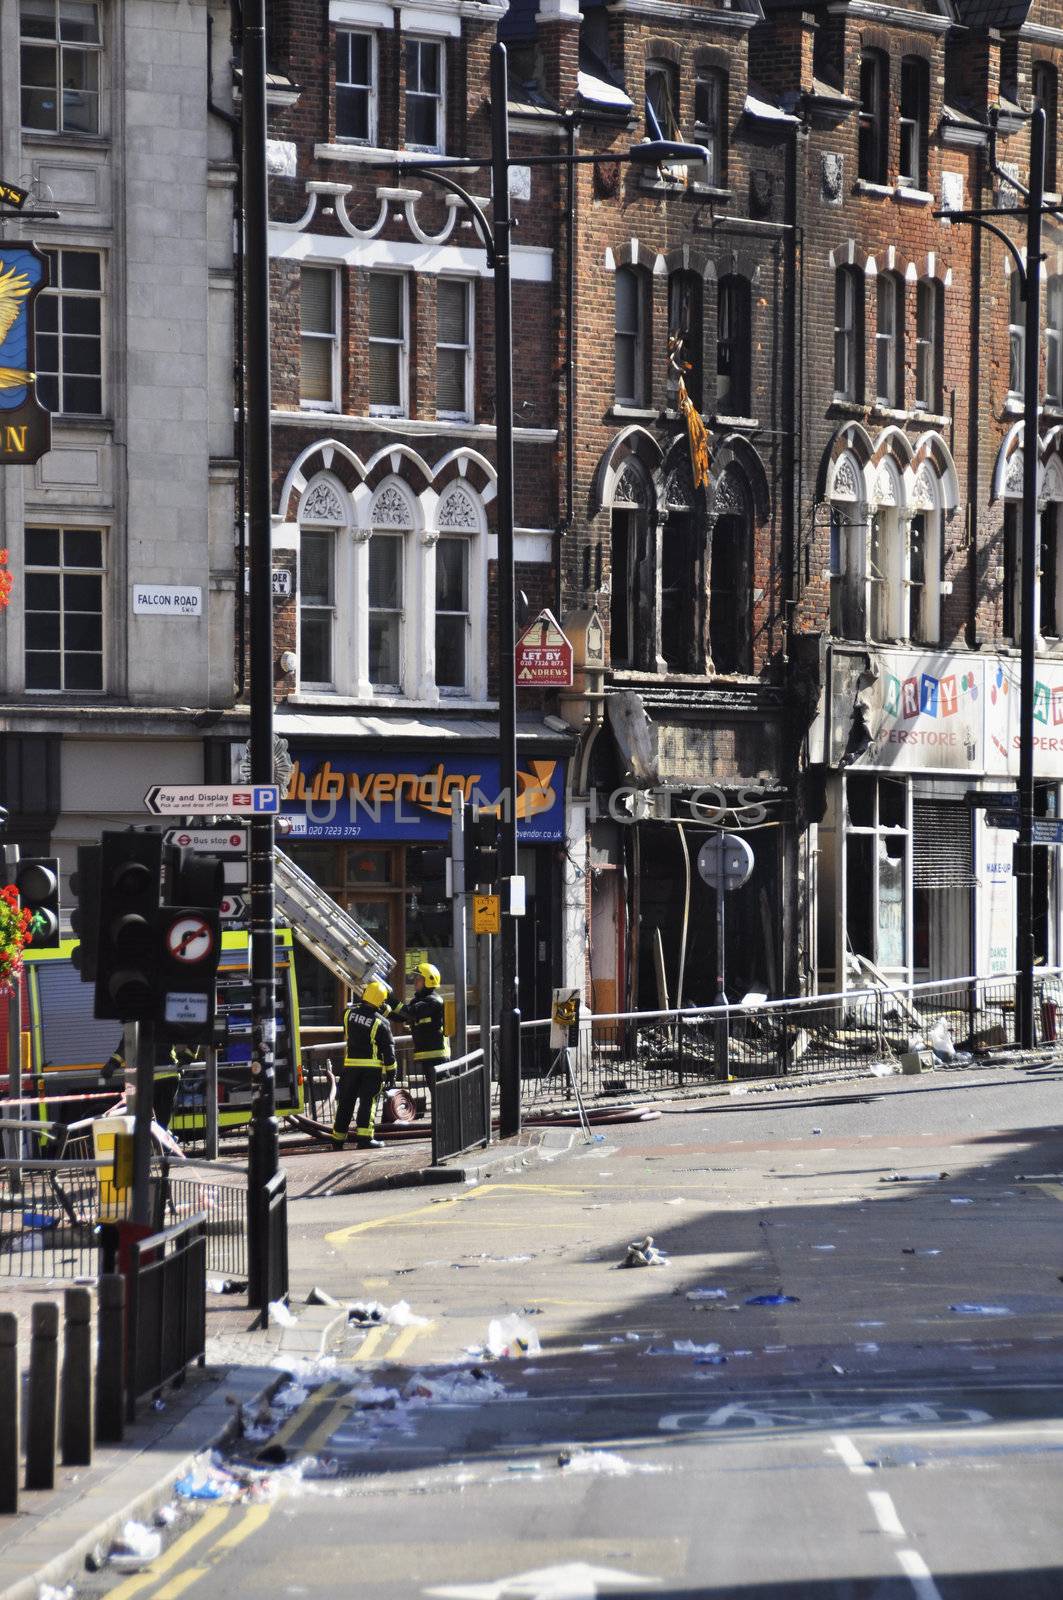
x: 1016, y: 336
x: 889, y: 341
x: 710, y: 126
x: 848, y: 334
x: 1012, y: 547
x: 1051, y: 611
x: 733, y: 347
x: 913, y: 123
x: 874, y: 137
x: 848, y: 613
x: 731, y: 593
x: 1045, y: 97
x: 685, y: 334
x: 679, y: 589
x: 632, y: 587
x: 662, y: 100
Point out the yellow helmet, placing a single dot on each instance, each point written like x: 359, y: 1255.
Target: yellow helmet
x: 376, y: 993
x: 431, y: 975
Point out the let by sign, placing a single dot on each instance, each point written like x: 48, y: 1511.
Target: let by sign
x: 543, y: 656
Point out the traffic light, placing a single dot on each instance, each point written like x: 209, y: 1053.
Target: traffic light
x: 193, y: 879
x: 127, y: 957
x: 481, y: 849
x: 433, y: 877
x: 189, y: 948
x: 37, y: 881
x: 85, y: 917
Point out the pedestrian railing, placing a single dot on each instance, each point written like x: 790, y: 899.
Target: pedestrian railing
x: 640, y: 1053
x: 274, y: 1231
x: 167, y: 1326
x: 461, y: 1106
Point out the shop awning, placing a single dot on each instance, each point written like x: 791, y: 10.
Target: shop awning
x: 322, y: 727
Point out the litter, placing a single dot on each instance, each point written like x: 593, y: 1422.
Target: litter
x: 710, y: 1361
x: 817, y: 1130
x: 366, y: 1311
x: 824, y: 1247
x: 227, y: 1285
x: 463, y: 1387
x: 135, y: 1548
x: 706, y: 1294
x: 676, y: 1202
x: 968, y: 1309
x: 910, y: 1250
x: 509, y: 1336
x: 524, y: 1466
x: 955, y: 1202
x: 882, y: 1069
x: 834, y: 1367
x: 687, y: 1347
x: 207, y: 1483
x: 941, y: 1041
x: 48, y: 1592
x: 166, y: 1516
x: 400, y: 1316
x: 772, y: 1300
x: 604, y: 1462
x: 321, y: 1297
x: 914, y: 1177
x: 279, y: 1313
x: 644, y: 1253
x: 870, y: 1348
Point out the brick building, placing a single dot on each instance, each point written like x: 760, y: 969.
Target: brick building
x: 383, y: 456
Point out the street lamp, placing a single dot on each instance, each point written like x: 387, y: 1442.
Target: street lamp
x: 496, y: 240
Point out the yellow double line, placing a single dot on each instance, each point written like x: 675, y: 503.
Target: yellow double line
x: 237, y: 1522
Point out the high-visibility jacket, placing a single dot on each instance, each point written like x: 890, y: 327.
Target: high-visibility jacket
x: 425, y: 1015
x: 369, y: 1038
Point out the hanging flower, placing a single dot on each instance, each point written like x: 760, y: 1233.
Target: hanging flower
x: 15, y: 935
x: 7, y: 582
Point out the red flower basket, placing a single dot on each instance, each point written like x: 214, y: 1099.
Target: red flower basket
x: 15, y: 935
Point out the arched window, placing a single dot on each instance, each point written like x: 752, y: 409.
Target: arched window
x: 458, y: 600
x: 848, y: 334
x: 1016, y: 336
x: 1045, y: 96
x: 929, y: 319
x: 631, y: 354
x: 632, y: 576
x: 914, y: 122
x: 732, y: 347
x: 391, y: 519
x: 889, y: 341
x: 874, y: 136
x: 710, y: 122
x: 662, y: 100
x: 684, y: 333
x: 731, y: 579
x: 323, y: 514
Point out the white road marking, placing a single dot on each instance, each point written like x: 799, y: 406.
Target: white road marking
x: 846, y: 1449
x: 918, y: 1574
x: 885, y: 1513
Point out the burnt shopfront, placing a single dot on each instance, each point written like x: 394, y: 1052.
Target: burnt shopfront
x: 370, y: 821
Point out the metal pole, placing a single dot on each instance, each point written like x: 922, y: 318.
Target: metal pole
x: 723, y: 1066
x: 144, y: 1046
x: 457, y: 887
x: 509, y: 1013
x: 1023, y: 861
x: 484, y: 985
x: 210, y: 1103
x: 264, y: 1151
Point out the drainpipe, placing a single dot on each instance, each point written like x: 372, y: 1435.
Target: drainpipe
x: 232, y: 122
x: 565, y: 527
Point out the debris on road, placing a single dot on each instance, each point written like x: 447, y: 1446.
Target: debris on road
x: 644, y: 1253
x: 772, y: 1300
x: 968, y: 1309
x: 280, y: 1314
x: 912, y: 1250
x: 706, y: 1294
x: 914, y: 1177
x: 509, y: 1336
x: 321, y: 1297
x: 135, y: 1548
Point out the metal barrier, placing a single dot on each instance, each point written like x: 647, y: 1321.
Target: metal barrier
x: 167, y: 1326
x: 641, y: 1053
x: 274, y: 1232
x: 461, y: 1106
x: 51, y: 1214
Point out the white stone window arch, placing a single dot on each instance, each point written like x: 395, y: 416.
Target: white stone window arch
x: 324, y: 517
x: 388, y: 638
x: 455, y: 590
x: 924, y: 545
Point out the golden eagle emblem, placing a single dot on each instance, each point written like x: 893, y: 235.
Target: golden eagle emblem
x: 14, y: 287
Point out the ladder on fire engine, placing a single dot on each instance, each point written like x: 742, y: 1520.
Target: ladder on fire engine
x: 326, y: 930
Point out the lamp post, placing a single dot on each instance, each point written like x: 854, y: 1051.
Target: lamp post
x: 264, y: 1149
x: 1030, y: 279
x: 495, y: 236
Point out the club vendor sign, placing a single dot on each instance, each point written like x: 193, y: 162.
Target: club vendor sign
x: 25, y: 426
x: 410, y: 798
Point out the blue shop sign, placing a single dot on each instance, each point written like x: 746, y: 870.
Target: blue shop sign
x: 409, y: 798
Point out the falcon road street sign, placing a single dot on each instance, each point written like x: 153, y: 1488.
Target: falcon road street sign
x: 258, y: 799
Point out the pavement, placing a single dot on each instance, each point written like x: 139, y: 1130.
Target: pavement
x: 894, y: 1426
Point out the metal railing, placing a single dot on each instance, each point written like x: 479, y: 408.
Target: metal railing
x: 461, y: 1106
x: 167, y: 1326
x: 640, y: 1053
x: 273, y: 1231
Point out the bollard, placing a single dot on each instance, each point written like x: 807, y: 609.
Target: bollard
x: 9, y: 1412
x: 43, y: 1396
x: 75, y: 1412
x: 110, y: 1359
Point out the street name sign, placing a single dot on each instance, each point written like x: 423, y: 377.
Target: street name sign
x: 543, y: 656
x: 257, y: 799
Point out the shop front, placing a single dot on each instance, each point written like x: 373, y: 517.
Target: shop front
x: 914, y: 878
x: 372, y: 826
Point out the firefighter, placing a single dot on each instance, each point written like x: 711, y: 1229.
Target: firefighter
x: 168, y: 1081
x: 369, y: 1057
x: 424, y: 1015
